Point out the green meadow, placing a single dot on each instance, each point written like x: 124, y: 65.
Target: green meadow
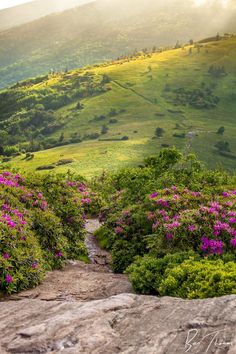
x: 172, y: 90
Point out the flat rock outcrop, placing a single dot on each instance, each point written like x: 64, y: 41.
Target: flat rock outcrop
x: 124, y: 323
x: 77, y: 282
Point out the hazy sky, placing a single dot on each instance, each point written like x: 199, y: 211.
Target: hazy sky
x: 10, y: 3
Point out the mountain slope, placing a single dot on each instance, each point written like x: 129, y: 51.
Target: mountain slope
x: 110, y: 112
x: 101, y: 31
x: 18, y: 15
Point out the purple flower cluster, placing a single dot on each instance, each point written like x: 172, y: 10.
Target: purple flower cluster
x: 176, y: 213
x: 119, y: 230
x: 212, y: 246
x: 13, y: 218
x: 10, y: 180
x: 82, y: 189
x: 86, y: 201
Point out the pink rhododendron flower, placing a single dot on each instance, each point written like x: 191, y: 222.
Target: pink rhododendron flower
x: 59, y: 254
x: 233, y: 242
x: 151, y: 216
x: 155, y: 225
x: 212, y: 246
x: 225, y: 194
x: 9, y: 279
x: 86, y: 201
x: 192, y: 228
x: 34, y: 265
x: 169, y: 236
x: 232, y: 220
x: 173, y: 225
x: 153, y: 195
x: 119, y: 230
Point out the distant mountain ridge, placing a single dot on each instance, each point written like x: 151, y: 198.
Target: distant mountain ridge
x: 103, y: 30
x: 31, y: 11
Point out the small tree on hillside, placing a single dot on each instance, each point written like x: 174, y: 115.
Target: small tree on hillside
x: 178, y: 45
x: 105, y: 79
x: 159, y: 132
x: 104, y: 129
x: 223, y: 146
x: 61, y: 138
x: 79, y: 105
x: 221, y: 130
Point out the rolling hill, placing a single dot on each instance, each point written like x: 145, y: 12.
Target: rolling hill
x: 106, y: 116
x: 31, y: 11
x: 102, y: 31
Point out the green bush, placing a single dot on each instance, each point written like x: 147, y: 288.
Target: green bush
x: 123, y: 254
x: 200, y: 279
x: 183, y: 275
x: 49, y: 230
x: 105, y: 237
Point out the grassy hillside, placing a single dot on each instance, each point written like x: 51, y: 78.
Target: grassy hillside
x: 112, y: 111
x: 101, y: 31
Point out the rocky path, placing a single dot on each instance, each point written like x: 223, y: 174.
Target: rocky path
x: 80, y: 281
x: 96, y: 255
x: 85, y: 309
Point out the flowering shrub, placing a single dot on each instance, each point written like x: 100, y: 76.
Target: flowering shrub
x: 183, y: 219
x: 172, y: 220
x: 41, y: 225
x: 164, y: 210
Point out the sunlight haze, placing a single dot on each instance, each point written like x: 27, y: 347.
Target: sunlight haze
x: 10, y: 3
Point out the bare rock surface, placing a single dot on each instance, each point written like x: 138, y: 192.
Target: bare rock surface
x: 124, y: 323
x: 77, y: 282
x: 87, y: 309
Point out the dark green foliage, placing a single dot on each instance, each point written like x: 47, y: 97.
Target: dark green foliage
x: 61, y: 138
x: 223, y: 146
x: 113, y: 121
x: 159, y: 132
x: 166, y: 159
x: 92, y: 136
x: 30, y: 116
x: 64, y: 162
x: 113, y: 112
x: 179, y: 135
x: 45, y: 167
x: 10, y: 151
x: 221, y: 130
x: 123, y: 254
x: 104, y: 129
x: 79, y: 105
x: 217, y: 71
x: 202, y: 98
